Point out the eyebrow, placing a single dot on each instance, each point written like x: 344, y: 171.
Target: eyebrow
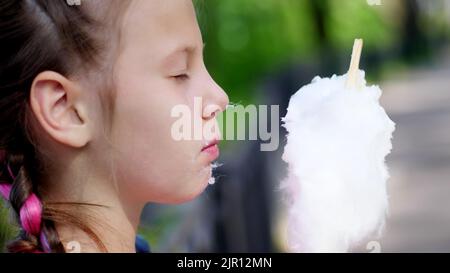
x: 185, y: 48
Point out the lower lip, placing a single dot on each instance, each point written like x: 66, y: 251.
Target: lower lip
x: 212, y: 152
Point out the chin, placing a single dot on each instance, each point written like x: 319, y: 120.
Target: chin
x: 188, y: 196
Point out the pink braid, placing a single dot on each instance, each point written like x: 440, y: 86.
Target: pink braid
x: 31, y: 215
x: 30, y: 212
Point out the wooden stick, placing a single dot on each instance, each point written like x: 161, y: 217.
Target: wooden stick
x: 353, y: 80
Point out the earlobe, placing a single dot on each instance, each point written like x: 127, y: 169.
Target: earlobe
x: 57, y: 105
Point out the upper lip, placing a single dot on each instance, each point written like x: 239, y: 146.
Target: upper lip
x: 210, y: 144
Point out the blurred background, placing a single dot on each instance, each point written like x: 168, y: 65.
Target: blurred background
x: 263, y: 51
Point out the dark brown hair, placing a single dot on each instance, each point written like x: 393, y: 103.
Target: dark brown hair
x: 37, y: 36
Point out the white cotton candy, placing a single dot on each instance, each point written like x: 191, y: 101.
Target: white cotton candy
x: 336, y: 146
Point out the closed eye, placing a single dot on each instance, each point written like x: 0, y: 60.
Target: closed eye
x: 181, y: 77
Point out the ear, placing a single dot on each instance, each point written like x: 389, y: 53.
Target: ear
x: 58, y: 106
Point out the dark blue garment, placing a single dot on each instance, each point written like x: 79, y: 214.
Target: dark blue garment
x: 142, y: 245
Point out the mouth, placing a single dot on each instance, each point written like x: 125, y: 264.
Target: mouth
x: 211, y: 149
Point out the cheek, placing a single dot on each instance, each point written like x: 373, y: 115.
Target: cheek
x: 150, y: 164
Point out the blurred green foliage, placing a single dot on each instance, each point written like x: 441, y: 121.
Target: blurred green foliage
x: 246, y: 40
x: 7, y: 231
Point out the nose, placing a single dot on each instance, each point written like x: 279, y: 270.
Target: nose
x: 215, y: 99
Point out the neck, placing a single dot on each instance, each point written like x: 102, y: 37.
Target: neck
x: 112, y: 218
x: 113, y: 226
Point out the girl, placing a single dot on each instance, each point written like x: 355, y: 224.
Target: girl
x: 86, y: 93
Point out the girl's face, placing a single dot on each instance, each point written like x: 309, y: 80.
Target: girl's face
x: 161, y: 66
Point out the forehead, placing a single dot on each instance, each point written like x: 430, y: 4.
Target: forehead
x: 161, y: 25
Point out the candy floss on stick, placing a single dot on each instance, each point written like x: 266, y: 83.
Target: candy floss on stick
x: 338, y: 138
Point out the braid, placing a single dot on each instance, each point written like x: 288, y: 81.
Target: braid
x: 22, y: 195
